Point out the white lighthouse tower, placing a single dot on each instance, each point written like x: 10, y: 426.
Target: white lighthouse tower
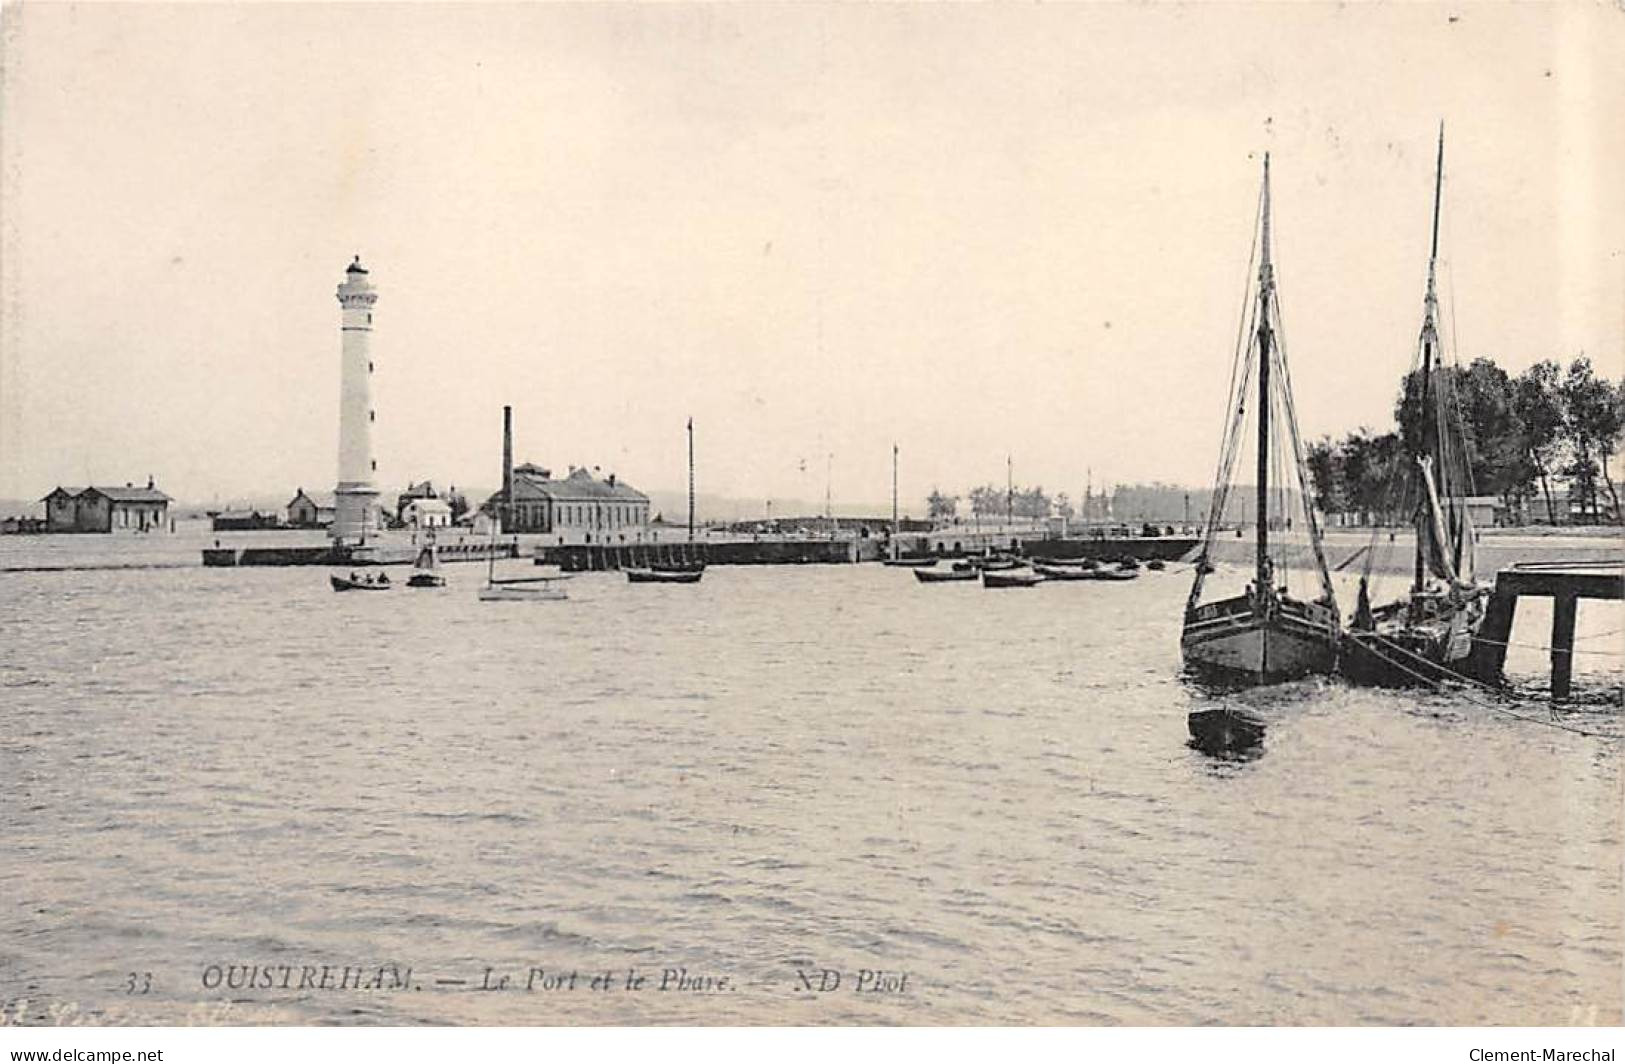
x: 355, y: 499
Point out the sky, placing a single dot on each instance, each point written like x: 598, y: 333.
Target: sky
x: 976, y: 231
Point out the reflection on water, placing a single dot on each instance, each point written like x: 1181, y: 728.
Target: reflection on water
x: 772, y: 772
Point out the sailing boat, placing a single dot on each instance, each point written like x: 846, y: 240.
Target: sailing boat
x: 895, y: 544
x: 1265, y: 634
x: 686, y: 572
x: 426, y: 570
x: 519, y: 588
x: 1428, y: 634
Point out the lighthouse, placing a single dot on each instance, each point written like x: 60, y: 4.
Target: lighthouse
x: 355, y: 499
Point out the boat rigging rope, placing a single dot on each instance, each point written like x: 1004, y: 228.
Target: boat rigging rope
x: 1548, y: 646
x: 1298, y: 454
x: 1398, y: 473
x: 1437, y: 685
x: 1240, y: 372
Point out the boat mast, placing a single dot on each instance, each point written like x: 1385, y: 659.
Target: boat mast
x: 1266, y: 281
x: 691, y: 480
x: 829, y: 473
x: 1430, y: 339
x: 1009, y: 492
x: 894, y: 526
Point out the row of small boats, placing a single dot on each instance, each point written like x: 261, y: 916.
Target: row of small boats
x: 426, y: 574
x: 381, y: 581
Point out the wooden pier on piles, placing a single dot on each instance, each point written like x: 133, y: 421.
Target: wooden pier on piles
x: 1565, y: 583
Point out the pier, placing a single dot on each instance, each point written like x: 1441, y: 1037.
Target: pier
x: 387, y: 553
x: 1565, y: 583
x: 577, y: 558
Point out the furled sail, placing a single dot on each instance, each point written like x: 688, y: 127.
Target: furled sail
x: 1433, y: 526
x: 1466, y: 540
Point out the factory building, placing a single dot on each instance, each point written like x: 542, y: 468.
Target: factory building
x: 578, y: 508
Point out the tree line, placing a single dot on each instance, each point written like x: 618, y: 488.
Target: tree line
x: 991, y: 501
x: 1522, y: 434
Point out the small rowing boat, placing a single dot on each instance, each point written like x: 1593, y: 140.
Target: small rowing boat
x: 352, y: 584
x: 1011, y: 578
x: 1227, y: 729
x: 944, y: 576
x: 665, y: 576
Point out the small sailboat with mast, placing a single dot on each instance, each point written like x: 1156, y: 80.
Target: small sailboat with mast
x: 1267, y: 633
x: 894, y: 545
x: 1428, y: 634
x: 690, y: 570
x: 518, y: 588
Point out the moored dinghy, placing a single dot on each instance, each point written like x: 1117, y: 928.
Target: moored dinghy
x: 1225, y: 729
x: 945, y: 576
x: 1014, y: 577
x: 1264, y: 634
x: 1051, y: 571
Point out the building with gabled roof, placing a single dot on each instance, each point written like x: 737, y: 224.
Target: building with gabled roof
x: 311, y: 511
x: 107, y: 508
x: 61, y: 509
x: 578, y: 508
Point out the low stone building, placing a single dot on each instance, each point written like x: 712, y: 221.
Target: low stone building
x: 104, y: 508
x: 242, y: 521
x: 62, y: 510
x: 310, y: 511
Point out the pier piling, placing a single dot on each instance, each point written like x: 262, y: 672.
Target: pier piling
x: 1565, y: 585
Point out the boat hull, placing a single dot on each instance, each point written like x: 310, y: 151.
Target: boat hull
x: 341, y: 584
x: 1395, y: 652
x: 1010, y: 578
x: 945, y: 576
x: 1225, y: 729
x: 522, y: 594
x: 1231, y: 642
x: 425, y: 580
x: 664, y: 576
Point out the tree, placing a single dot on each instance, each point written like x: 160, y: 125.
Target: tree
x: 987, y: 500
x: 940, y: 506
x: 1537, y: 398
x: 1594, y: 424
x: 1368, y: 469
x: 458, y: 504
x: 1612, y: 424
x: 1324, y: 475
x: 1031, y: 502
x: 1484, y: 400
x: 1494, y: 432
x: 1063, y: 506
